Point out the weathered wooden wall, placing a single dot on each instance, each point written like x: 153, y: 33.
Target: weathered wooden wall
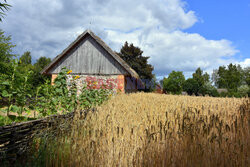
x: 89, y: 58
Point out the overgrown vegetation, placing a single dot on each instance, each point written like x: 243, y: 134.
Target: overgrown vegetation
x: 154, y: 130
x: 49, y: 99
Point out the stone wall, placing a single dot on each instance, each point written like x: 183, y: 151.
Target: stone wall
x: 112, y: 82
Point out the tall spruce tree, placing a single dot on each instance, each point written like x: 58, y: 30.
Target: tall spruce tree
x: 133, y: 56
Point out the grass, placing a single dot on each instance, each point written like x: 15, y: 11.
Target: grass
x: 6, y: 120
x: 146, y: 129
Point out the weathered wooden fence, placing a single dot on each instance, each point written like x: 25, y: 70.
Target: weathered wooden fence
x: 15, y: 139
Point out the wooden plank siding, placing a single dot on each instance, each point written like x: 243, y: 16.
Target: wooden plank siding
x: 88, y: 57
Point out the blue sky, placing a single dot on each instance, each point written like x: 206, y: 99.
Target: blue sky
x: 179, y: 35
x: 228, y: 19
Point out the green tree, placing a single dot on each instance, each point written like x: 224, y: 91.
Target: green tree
x: 37, y: 77
x: 201, y: 79
x: 209, y: 89
x: 25, y: 59
x: 221, y: 81
x: 230, y: 78
x: 173, y: 84
x: 6, y: 56
x: 41, y: 63
x: 243, y: 90
x: 191, y: 86
x: 133, y: 56
x: 5, y: 48
x: 246, y: 73
x: 24, y: 65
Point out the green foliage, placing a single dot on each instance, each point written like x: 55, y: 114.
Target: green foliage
x: 5, y: 53
x: 63, y: 96
x: 5, y: 48
x: 230, y: 78
x: 133, y: 56
x: 93, y: 97
x: 16, y: 89
x: 47, y: 99
x: 244, y: 90
x: 233, y: 78
x: 25, y: 59
x: 173, y: 84
x: 37, y: 78
x: 3, y: 8
x: 201, y: 79
x: 246, y: 73
x: 191, y: 86
x: 41, y: 63
x: 51, y: 99
x: 209, y: 89
x: 12, y: 118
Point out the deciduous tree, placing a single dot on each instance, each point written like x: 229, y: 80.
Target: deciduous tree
x: 173, y: 84
x: 230, y: 78
x: 25, y: 59
x: 191, y: 86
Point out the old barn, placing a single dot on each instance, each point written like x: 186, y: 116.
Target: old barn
x: 92, y: 60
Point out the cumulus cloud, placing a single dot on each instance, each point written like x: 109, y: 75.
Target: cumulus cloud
x: 181, y: 51
x: 245, y: 63
x: 46, y: 27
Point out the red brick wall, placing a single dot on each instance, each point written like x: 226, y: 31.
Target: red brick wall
x: 121, y: 83
x: 53, y: 77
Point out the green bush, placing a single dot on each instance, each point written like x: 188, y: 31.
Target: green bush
x: 243, y: 90
x: 209, y: 89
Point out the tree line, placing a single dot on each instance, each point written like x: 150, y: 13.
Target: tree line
x: 231, y: 80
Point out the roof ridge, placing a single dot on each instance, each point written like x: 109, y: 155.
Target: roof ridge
x: 100, y: 42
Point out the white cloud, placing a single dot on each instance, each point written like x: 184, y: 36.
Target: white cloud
x: 245, y: 63
x: 180, y: 51
x: 46, y: 27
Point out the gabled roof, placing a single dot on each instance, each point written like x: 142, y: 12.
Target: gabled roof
x: 99, y: 41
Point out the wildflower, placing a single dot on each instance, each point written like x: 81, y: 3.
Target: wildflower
x: 95, y: 83
x: 76, y: 77
x: 70, y: 71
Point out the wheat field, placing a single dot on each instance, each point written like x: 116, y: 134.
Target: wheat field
x: 146, y: 129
